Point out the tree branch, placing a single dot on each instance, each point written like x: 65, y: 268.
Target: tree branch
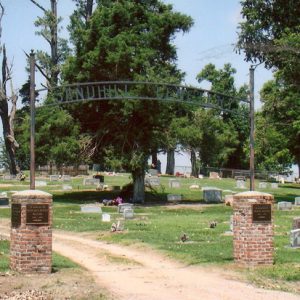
x: 38, y: 5
x: 39, y: 68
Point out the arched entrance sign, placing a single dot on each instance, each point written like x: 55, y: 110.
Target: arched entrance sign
x: 130, y: 90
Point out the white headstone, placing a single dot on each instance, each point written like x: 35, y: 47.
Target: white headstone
x: 123, y: 206
x: 40, y: 183
x: 240, y: 184
x: 105, y: 217
x: 66, y: 178
x: 128, y: 213
x: 67, y: 187
x: 174, y: 183
x: 262, y: 185
x: 194, y: 187
x: 91, y: 181
x: 153, y: 181
x: 284, y: 205
x: 91, y: 209
x: 54, y: 177
x: 297, y: 201
x: 274, y: 185
x: 174, y: 197
x: 295, y: 238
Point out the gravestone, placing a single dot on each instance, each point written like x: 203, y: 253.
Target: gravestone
x: 295, y: 238
x: 54, y: 177
x: 240, y: 184
x: 284, y: 205
x: 212, y: 195
x: 128, y: 213
x: 153, y: 172
x: 89, y: 208
x: 297, y: 201
x: 105, y: 217
x: 174, y: 197
x: 31, y: 233
x: 262, y: 185
x: 153, y: 181
x: 253, y: 230
x: 91, y: 181
x: 194, y: 187
x: 123, y: 206
x: 40, y: 183
x: 274, y: 185
x: 66, y: 178
x: 296, y: 223
x: 174, y: 183
x: 4, y: 201
x: 67, y: 187
x: 214, y: 175
x: 9, y: 177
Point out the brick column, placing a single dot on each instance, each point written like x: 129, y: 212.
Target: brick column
x: 31, y: 233
x: 253, y: 228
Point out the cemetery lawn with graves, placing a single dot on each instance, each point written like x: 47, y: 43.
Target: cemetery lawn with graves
x: 160, y: 225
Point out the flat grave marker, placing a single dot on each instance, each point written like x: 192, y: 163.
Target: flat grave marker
x: 174, y: 183
x: 297, y: 201
x: 91, y: 209
x: 91, y: 181
x: 123, y: 206
x: 284, y: 205
x: 174, y: 197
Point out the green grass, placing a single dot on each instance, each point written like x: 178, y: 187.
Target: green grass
x: 58, y: 262
x: 157, y: 225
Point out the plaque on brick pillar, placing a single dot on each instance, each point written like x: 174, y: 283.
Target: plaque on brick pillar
x: 253, y: 228
x: 31, y: 233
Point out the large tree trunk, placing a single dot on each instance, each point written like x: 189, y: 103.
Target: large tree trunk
x: 138, y: 177
x: 7, y: 120
x: 195, y: 167
x: 170, y: 169
x: 9, y: 143
x: 154, y: 157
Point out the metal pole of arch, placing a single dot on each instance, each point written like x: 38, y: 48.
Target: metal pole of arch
x: 251, y: 98
x: 32, y: 120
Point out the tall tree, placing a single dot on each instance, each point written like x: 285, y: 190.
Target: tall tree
x: 127, y: 40
x: 270, y: 34
x: 48, y: 24
x: 281, y: 109
x: 222, y: 81
x: 7, y: 116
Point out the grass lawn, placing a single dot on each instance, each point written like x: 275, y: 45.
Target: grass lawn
x: 161, y: 225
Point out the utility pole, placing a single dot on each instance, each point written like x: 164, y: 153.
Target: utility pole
x: 251, y: 98
x: 32, y: 120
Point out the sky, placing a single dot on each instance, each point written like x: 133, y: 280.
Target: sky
x: 210, y: 40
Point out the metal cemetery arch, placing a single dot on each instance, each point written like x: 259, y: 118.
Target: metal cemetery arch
x: 128, y: 90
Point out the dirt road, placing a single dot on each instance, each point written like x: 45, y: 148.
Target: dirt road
x: 140, y: 274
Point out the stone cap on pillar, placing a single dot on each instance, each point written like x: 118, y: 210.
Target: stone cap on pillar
x: 253, y: 196
x: 31, y: 194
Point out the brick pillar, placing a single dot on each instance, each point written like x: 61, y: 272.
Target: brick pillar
x: 31, y: 233
x: 253, y: 228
